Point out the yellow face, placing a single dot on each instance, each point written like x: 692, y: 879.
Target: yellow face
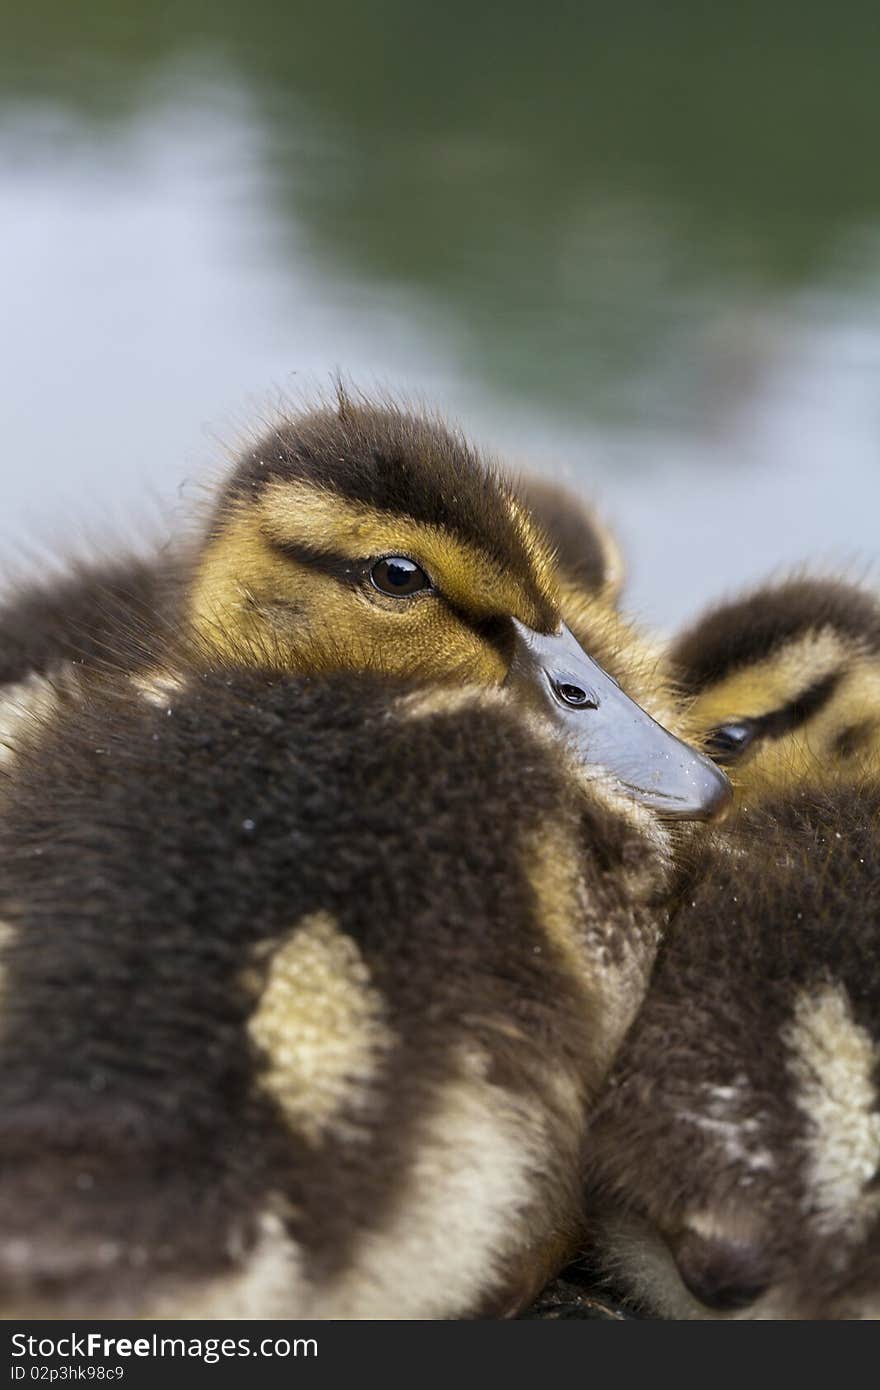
x: 808, y: 714
x: 303, y: 579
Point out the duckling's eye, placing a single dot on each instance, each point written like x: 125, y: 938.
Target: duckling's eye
x: 729, y: 741
x: 398, y: 576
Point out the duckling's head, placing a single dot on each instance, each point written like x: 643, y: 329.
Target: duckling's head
x: 785, y: 685
x: 362, y: 538
x: 588, y: 558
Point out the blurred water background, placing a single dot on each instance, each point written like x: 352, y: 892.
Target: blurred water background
x: 637, y: 245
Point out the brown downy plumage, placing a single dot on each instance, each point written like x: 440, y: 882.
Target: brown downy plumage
x: 321, y: 927
x: 122, y: 611
x: 126, y: 612
x: 735, y: 1152
x: 361, y: 538
x: 308, y: 985
x: 97, y: 614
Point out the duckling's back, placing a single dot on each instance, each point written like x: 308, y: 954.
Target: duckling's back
x: 303, y: 1000
x: 105, y: 614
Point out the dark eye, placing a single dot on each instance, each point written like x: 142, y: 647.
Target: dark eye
x: 726, y: 743
x: 398, y: 576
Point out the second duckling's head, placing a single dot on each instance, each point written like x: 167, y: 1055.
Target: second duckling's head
x: 360, y: 537
x: 785, y: 685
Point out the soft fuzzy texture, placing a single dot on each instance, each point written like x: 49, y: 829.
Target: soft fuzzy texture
x: 750, y: 629
x: 587, y: 555
x: 132, y: 612
x: 309, y: 980
x: 742, y: 1117
x: 384, y: 457
x: 182, y: 866
x: 112, y: 613
x: 734, y: 1156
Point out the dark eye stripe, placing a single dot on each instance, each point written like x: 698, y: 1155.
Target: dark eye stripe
x: 745, y: 632
x: 729, y: 741
x: 852, y: 739
x: 495, y: 632
x: 799, y: 710
x: 340, y: 567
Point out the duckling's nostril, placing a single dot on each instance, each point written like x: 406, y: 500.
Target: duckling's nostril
x: 722, y: 1274
x: 574, y: 695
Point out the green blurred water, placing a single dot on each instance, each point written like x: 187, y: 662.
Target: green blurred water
x: 639, y: 244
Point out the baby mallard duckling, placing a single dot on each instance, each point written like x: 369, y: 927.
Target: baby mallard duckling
x: 362, y: 538
x: 120, y: 611
x: 313, y: 968
x: 735, y: 1152
x: 309, y: 984
x: 784, y: 684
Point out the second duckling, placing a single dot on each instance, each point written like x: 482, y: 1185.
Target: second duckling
x: 735, y: 1153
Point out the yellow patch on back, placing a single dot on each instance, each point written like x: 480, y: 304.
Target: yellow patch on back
x: 453, y: 700
x: 613, y: 973
x: 23, y: 708
x: 321, y: 1026
x: 465, y: 1217
x: 269, y: 1283
x: 561, y: 898
x: 6, y: 937
x: 158, y: 687
x: 833, y: 1060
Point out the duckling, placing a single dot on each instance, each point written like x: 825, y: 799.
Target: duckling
x: 117, y: 611
x: 308, y: 985
x: 111, y: 612
x: 734, y: 1153
x: 316, y: 950
x: 588, y: 555
x: 358, y: 537
x: 126, y: 610
x: 784, y: 684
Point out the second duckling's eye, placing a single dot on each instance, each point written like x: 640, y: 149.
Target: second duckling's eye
x: 398, y: 576
x: 729, y: 741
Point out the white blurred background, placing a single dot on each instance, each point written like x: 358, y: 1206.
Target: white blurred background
x: 638, y: 249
